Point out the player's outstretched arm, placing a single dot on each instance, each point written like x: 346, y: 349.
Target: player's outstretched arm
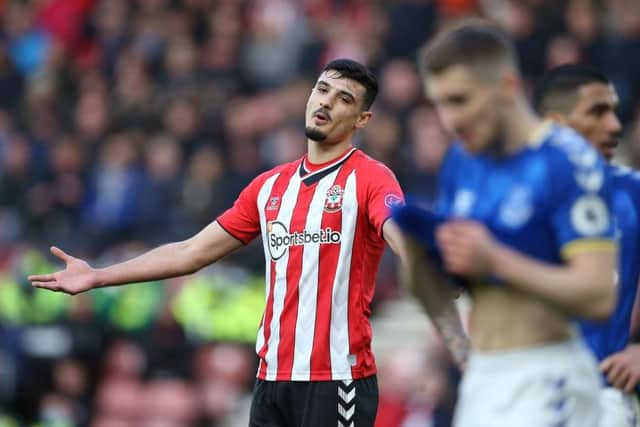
x: 431, y: 288
x: 170, y: 260
x: 584, y: 286
x: 623, y: 368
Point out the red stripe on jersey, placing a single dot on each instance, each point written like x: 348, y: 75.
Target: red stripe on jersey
x: 294, y: 269
x: 266, y: 319
x: 368, y: 247
x: 328, y: 264
x: 271, y: 213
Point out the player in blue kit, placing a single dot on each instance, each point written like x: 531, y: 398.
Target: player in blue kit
x: 522, y: 216
x: 583, y: 98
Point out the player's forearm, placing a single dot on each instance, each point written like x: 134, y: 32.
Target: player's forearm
x: 173, y: 259
x: 163, y: 262
x: 435, y: 293
x: 447, y: 321
x: 587, y: 290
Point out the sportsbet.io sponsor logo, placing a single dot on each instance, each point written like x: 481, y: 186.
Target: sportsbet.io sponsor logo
x: 280, y: 239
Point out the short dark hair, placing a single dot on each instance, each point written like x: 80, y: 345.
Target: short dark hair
x: 353, y: 70
x: 471, y: 42
x: 557, y: 90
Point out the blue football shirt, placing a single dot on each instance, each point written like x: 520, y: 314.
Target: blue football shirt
x: 611, y: 336
x: 550, y: 199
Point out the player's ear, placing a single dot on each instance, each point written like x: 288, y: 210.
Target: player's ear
x: 364, y: 118
x: 510, y: 83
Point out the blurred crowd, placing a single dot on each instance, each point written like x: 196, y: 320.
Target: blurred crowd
x: 128, y: 123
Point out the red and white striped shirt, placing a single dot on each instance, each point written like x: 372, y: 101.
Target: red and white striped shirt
x: 322, y: 233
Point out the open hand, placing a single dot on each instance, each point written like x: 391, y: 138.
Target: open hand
x: 78, y: 276
x: 466, y: 247
x: 623, y: 368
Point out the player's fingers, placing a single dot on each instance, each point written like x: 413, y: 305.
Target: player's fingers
x: 461, y: 250
x: 452, y: 227
x: 453, y: 239
x: 631, y: 383
x: 467, y: 229
x: 61, y: 254
x: 53, y: 286
x: 452, y: 254
x: 42, y: 278
x: 462, y: 225
x: 607, y: 363
x: 458, y: 249
x: 455, y: 264
x: 445, y: 245
x: 443, y: 234
x: 616, y: 375
x: 621, y: 380
x: 456, y: 231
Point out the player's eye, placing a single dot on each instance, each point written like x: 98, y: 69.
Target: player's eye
x: 457, y: 100
x: 322, y: 89
x: 600, y: 110
x: 347, y: 100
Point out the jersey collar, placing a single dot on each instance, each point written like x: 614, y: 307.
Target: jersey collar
x: 309, y: 177
x: 539, y: 134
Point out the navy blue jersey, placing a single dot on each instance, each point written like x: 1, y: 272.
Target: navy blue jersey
x: 611, y: 336
x: 548, y: 200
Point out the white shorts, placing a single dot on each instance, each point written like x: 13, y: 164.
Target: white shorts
x: 619, y: 409
x: 551, y: 385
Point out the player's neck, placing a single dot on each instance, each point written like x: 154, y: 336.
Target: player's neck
x: 521, y: 124
x: 319, y: 152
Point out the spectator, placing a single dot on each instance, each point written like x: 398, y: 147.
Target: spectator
x: 204, y: 190
x: 162, y: 182
x: 112, y: 207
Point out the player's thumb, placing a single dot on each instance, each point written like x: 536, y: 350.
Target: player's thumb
x: 60, y: 254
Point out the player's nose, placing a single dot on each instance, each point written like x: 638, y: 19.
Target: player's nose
x: 449, y: 120
x: 326, y: 103
x: 614, y: 126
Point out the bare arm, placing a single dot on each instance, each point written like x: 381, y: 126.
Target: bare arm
x: 170, y: 260
x: 431, y: 288
x: 584, y: 286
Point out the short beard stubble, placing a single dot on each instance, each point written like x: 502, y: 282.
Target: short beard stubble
x: 315, y: 134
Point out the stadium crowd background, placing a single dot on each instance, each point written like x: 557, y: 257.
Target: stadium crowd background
x: 126, y: 124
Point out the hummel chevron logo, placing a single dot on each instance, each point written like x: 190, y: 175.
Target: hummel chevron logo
x: 347, y: 397
x: 346, y: 413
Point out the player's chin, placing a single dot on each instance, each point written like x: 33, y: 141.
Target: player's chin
x: 315, y: 134
x: 608, y: 150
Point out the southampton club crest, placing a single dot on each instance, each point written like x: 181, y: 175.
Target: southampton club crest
x: 333, y: 202
x: 274, y: 203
